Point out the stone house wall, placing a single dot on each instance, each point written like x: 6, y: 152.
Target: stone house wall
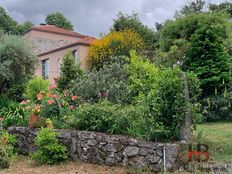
x: 105, y: 149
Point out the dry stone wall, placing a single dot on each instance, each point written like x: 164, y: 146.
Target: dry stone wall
x: 105, y: 149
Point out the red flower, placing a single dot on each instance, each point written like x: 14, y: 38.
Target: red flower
x: 74, y: 97
x: 50, y: 102
x: 104, y: 94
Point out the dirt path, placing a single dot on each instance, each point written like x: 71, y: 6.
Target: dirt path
x: 24, y: 166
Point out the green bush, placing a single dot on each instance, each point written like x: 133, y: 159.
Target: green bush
x: 110, y: 80
x: 218, y: 107
x: 108, y: 117
x: 149, y: 105
x: 13, y: 115
x: 34, y: 86
x: 49, y: 151
x: 8, y: 141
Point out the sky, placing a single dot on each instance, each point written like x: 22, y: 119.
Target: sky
x: 93, y: 17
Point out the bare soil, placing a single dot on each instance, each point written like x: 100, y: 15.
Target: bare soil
x: 21, y: 165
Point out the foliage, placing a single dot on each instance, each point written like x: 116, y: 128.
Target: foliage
x: 218, y: 107
x: 196, y: 42
x: 70, y: 71
x: 207, y: 58
x: 10, y: 26
x: 109, y: 82
x: 196, y: 6
x: 34, y: 86
x: 125, y: 21
x: 154, y: 107
x: 112, y: 45
x: 7, y: 24
x: 224, y: 7
x: 49, y: 151
x: 8, y: 141
x: 59, y: 20
x: 25, y: 27
x: 161, y: 91
x: 13, y: 114
x: 17, y: 62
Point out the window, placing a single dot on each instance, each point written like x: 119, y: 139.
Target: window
x: 76, y: 56
x: 45, y: 68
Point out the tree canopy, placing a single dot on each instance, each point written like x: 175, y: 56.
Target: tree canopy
x: 17, y: 61
x: 112, y: 45
x: 125, y: 21
x: 10, y: 26
x: 59, y: 20
x: 197, y: 42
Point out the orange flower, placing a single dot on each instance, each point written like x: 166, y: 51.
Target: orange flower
x: 50, y: 102
x: 55, y: 96
x: 51, y: 87
x: 74, y: 97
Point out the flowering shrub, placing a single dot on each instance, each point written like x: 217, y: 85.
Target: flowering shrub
x: 50, y: 103
x: 114, y: 44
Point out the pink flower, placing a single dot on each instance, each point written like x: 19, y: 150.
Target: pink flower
x: 24, y: 102
x: 50, y: 102
x: 1, y: 118
x: 71, y: 107
x: 74, y: 97
x: 39, y: 96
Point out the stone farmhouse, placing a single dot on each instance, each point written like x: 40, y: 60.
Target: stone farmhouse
x: 52, y: 43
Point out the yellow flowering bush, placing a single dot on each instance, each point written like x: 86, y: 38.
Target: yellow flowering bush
x: 114, y: 44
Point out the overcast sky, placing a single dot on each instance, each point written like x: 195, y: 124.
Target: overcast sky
x: 93, y: 16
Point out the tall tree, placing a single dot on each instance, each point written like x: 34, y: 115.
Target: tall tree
x: 59, y: 20
x: 196, y: 6
x: 197, y: 42
x: 125, y: 21
x: 25, y: 26
x: 225, y: 7
x: 7, y: 24
x: 17, y: 62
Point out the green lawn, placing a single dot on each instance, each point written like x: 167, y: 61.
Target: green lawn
x: 219, y: 138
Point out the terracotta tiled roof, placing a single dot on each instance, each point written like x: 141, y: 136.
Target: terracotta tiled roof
x: 54, y: 29
x: 83, y: 41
